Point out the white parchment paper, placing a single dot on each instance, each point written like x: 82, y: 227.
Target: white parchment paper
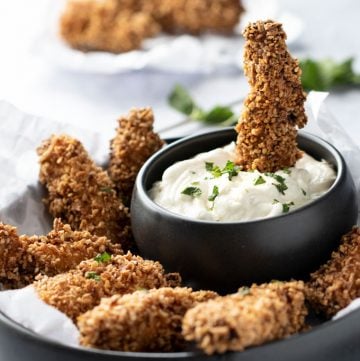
x: 21, y: 194
x: 202, y: 54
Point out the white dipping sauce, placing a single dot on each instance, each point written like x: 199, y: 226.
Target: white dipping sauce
x: 247, y: 196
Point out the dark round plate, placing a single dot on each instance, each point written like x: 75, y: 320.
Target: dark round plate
x: 330, y: 341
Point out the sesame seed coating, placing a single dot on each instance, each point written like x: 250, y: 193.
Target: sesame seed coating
x: 134, y: 142
x: 144, y: 321
x: 80, y: 192
x: 248, y: 318
x: 274, y: 107
x: 81, y: 289
x: 335, y: 284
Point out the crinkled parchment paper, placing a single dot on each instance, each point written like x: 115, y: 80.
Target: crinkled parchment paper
x: 20, y: 194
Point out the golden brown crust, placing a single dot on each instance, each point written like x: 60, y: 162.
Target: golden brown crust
x: 250, y: 317
x: 81, y: 193
x: 274, y: 108
x: 196, y: 16
x: 335, y: 284
x: 145, y: 321
x: 82, y: 288
x: 134, y: 143
x: 108, y: 25
x: 27, y: 257
x: 121, y: 25
x: 11, y: 251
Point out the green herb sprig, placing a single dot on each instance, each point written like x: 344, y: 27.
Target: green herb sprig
x: 93, y: 276
x: 181, y: 100
x: 103, y: 257
x: 230, y: 169
x: 326, y: 74
x: 192, y: 192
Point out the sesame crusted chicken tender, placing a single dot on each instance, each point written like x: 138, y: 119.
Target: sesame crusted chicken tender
x: 106, y: 25
x: 134, y: 142
x: 81, y: 193
x: 144, y: 321
x: 196, y: 16
x: 335, y: 284
x: 274, y: 107
x: 248, y: 318
x: 11, y: 251
x: 81, y: 289
x: 27, y: 257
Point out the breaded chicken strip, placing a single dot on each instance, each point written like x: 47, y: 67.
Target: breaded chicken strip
x: 81, y: 193
x: 196, y: 16
x: 107, y: 25
x: 144, y: 321
x: 248, y: 318
x: 274, y: 108
x: 11, y: 251
x: 82, y: 288
x: 134, y: 143
x: 337, y: 282
x: 26, y: 257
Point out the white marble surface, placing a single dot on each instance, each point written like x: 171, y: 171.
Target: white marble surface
x: 95, y: 101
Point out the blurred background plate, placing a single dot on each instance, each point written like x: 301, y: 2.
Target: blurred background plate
x: 204, y: 54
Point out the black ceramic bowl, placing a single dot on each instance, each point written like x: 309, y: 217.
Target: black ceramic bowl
x: 225, y: 255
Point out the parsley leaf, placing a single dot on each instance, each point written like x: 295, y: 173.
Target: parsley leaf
x: 281, y: 187
x: 230, y: 168
x: 215, y: 193
x: 286, y: 206
x: 303, y: 192
x: 209, y: 166
x: 327, y: 73
x: 103, y: 257
x: 181, y: 100
x: 192, y: 192
x: 106, y: 189
x: 259, y: 180
x: 93, y: 276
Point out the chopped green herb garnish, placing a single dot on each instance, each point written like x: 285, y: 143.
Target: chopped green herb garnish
x: 192, y: 191
x: 195, y: 183
x: 275, y: 201
x: 93, y: 276
x: 106, y: 189
x: 286, y: 206
x: 287, y: 170
x: 209, y: 166
x: 279, y: 178
x: 259, y: 180
x: 281, y: 187
x: 230, y: 168
x: 216, y: 172
x: 192, y: 172
x: 215, y: 193
x: 303, y: 192
x: 103, y: 257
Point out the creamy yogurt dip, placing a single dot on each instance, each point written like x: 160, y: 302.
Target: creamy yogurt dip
x: 211, y: 187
